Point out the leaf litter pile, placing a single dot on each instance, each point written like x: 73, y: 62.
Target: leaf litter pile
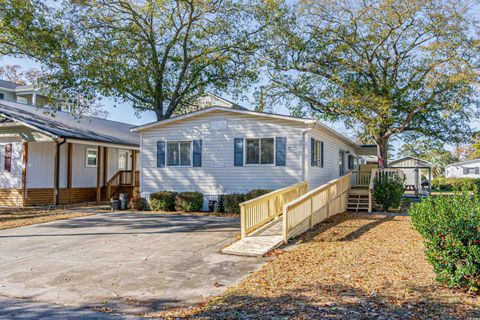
x: 353, y: 266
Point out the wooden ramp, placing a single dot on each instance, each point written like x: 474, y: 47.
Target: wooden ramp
x: 258, y: 243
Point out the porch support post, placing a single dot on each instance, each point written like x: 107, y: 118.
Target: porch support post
x: 24, y: 173
x: 105, y: 165
x: 99, y: 171
x: 429, y: 180
x: 69, y: 166
x: 134, y: 166
x: 55, y: 172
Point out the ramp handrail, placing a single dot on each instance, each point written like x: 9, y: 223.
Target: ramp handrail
x: 315, y: 206
x: 257, y: 212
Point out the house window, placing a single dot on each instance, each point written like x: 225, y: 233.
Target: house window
x: 260, y: 151
x: 8, y: 158
x: 122, y: 161
x: 22, y: 100
x: 179, y: 153
x: 470, y: 170
x: 2, y: 96
x: 317, y: 155
x: 91, y: 157
x: 351, y: 161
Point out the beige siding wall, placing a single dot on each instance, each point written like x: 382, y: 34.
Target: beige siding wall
x: 316, y: 175
x: 218, y: 175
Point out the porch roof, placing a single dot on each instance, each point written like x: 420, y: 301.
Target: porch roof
x: 62, y: 124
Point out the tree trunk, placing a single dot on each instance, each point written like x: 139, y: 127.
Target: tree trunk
x: 382, y: 152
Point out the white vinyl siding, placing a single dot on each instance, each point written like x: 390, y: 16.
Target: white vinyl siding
x: 218, y: 175
x: 463, y: 170
x: 331, y: 148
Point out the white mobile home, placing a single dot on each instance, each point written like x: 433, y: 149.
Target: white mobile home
x: 222, y: 150
x: 465, y: 169
x: 49, y: 160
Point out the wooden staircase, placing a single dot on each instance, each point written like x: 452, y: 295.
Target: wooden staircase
x: 122, y: 181
x: 357, y: 201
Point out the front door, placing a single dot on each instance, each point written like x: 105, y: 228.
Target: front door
x: 122, y: 160
x: 341, y: 162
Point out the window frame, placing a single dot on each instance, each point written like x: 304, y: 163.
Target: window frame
x: 318, y: 162
x: 86, y: 157
x: 178, y: 142
x: 259, y: 152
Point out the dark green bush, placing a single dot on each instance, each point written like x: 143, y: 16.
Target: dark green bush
x: 255, y: 193
x: 189, y: 201
x: 163, y: 201
x: 232, y: 201
x: 450, y: 226
x: 389, y: 191
x: 451, y: 184
x: 139, y: 204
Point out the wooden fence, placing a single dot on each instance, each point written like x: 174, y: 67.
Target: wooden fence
x: 259, y: 211
x: 315, y: 206
x: 360, y: 178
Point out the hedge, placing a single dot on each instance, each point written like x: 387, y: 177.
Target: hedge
x: 231, y: 202
x: 451, y: 184
x: 163, y: 201
x: 450, y: 226
x: 255, y: 193
x: 189, y: 201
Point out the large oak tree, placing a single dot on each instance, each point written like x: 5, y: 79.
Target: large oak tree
x: 159, y: 55
x: 388, y: 66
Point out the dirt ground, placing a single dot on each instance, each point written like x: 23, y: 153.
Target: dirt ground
x: 352, y: 266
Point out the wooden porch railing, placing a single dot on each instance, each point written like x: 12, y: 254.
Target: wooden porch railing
x: 380, y: 173
x: 360, y: 179
x: 257, y: 212
x: 122, y: 178
x: 315, y: 206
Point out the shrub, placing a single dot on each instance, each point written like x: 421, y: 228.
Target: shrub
x: 231, y: 202
x: 389, y: 191
x: 163, y: 201
x: 189, y: 201
x: 451, y: 184
x: 451, y: 229
x: 255, y: 193
x: 139, y: 204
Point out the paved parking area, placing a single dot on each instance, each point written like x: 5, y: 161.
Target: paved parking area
x: 129, y: 262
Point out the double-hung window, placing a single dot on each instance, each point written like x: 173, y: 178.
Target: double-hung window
x: 317, y: 153
x: 260, y: 151
x: 179, y: 153
x: 91, y: 157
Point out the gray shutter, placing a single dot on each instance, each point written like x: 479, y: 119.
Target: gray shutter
x: 312, y: 153
x: 160, y: 154
x: 197, y: 153
x: 477, y: 170
x: 238, y: 152
x: 465, y: 171
x: 321, y: 154
x: 281, y: 151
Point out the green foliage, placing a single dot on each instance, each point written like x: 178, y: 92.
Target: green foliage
x: 451, y: 229
x: 163, y: 201
x: 157, y: 55
x: 231, y: 202
x: 385, y: 66
x: 255, y: 193
x: 139, y: 204
x: 452, y: 184
x: 389, y: 191
x: 189, y: 201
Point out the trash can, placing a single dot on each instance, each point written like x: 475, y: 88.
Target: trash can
x: 123, y: 196
x: 115, y: 205
x: 123, y: 204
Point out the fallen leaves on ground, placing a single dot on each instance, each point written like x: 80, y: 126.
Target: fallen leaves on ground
x: 353, y: 266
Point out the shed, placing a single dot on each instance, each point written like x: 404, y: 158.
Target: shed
x: 414, y: 169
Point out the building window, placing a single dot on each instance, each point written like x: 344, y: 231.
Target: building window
x: 317, y: 153
x: 122, y: 161
x: 179, y: 153
x: 22, y: 100
x: 351, y: 161
x: 260, y: 151
x: 470, y: 170
x: 8, y: 158
x: 91, y: 157
x: 2, y: 96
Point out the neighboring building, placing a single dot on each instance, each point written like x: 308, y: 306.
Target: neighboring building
x: 465, y: 169
x: 222, y: 150
x: 24, y: 94
x: 60, y: 159
x: 417, y: 172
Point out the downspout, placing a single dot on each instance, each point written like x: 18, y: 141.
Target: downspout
x: 57, y: 173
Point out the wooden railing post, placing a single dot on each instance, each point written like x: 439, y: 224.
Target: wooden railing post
x: 243, y: 222
x: 285, y: 225
x: 310, y: 218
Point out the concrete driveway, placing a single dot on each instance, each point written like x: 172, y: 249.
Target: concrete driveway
x: 127, y: 262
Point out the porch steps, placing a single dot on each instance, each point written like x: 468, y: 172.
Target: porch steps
x: 357, y: 202
x: 258, y: 243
